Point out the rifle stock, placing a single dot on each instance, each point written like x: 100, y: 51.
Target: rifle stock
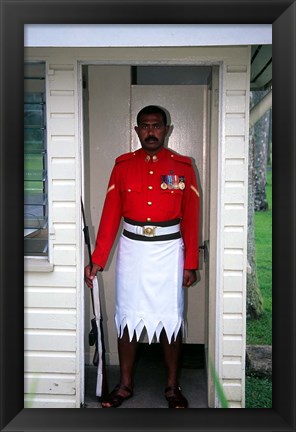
x: 93, y: 334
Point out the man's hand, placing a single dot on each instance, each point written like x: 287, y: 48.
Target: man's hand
x: 90, y: 274
x: 189, y: 277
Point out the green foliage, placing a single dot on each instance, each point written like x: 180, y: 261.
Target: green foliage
x: 219, y: 388
x: 258, y: 392
x: 32, y: 393
x: 259, y: 332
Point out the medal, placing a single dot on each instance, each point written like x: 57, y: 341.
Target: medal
x: 172, y: 181
x: 181, y: 183
x: 163, y: 184
x: 176, y: 182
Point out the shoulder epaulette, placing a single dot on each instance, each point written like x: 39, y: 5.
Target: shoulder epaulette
x: 181, y: 158
x: 124, y: 157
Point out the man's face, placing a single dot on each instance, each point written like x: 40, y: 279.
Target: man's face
x: 151, y: 132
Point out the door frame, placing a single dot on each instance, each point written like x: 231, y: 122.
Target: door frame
x: 214, y: 177
x: 214, y: 214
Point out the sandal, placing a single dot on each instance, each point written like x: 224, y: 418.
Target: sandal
x: 176, y: 399
x: 114, y: 399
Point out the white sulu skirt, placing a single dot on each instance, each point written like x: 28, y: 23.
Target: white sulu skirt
x: 149, y: 287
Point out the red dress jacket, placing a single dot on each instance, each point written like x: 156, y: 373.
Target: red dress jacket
x: 136, y: 191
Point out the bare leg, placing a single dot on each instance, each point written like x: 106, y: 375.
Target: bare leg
x: 127, y: 353
x: 172, y: 353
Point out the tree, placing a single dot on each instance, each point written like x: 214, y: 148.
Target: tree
x: 254, y: 297
x: 259, y: 141
x: 261, y: 135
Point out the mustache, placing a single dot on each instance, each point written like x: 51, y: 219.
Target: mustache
x: 151, y: 138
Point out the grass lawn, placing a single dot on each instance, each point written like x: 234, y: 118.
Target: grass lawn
x: 259, y: 332
x: 258, y: 392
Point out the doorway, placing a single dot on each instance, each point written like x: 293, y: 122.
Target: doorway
x: 112, y: 97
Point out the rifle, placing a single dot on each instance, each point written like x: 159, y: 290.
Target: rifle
x: 96, y: 334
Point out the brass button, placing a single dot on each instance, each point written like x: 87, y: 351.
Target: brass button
x: 149, y: 203
x: 151, y: 172
x: 148, y: 219
x: 150, y: 187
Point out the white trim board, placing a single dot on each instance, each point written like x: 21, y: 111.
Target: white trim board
x: 132, y: 35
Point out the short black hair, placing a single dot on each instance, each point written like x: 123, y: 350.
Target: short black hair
x: 152, y: 109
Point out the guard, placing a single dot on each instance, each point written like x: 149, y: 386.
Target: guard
x: 155, y: 191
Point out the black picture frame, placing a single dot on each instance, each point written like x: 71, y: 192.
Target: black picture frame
x: 14, y: 14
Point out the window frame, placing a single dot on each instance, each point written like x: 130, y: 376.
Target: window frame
x: 41, y: 262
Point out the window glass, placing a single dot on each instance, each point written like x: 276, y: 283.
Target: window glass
x: 35, y: 161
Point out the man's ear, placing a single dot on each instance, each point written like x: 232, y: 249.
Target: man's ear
x: 136, y: 129
x: 169, y: 130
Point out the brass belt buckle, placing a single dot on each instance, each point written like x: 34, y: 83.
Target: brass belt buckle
x: 149, y: 231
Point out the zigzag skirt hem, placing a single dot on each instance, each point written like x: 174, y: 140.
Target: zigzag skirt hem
x: 153, y: 331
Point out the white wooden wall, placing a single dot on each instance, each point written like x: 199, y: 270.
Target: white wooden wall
x: 234, y: 194
x: 54, y: 296
x: 52, y: 305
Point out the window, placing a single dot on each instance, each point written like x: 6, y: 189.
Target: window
x: 35, y: 161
